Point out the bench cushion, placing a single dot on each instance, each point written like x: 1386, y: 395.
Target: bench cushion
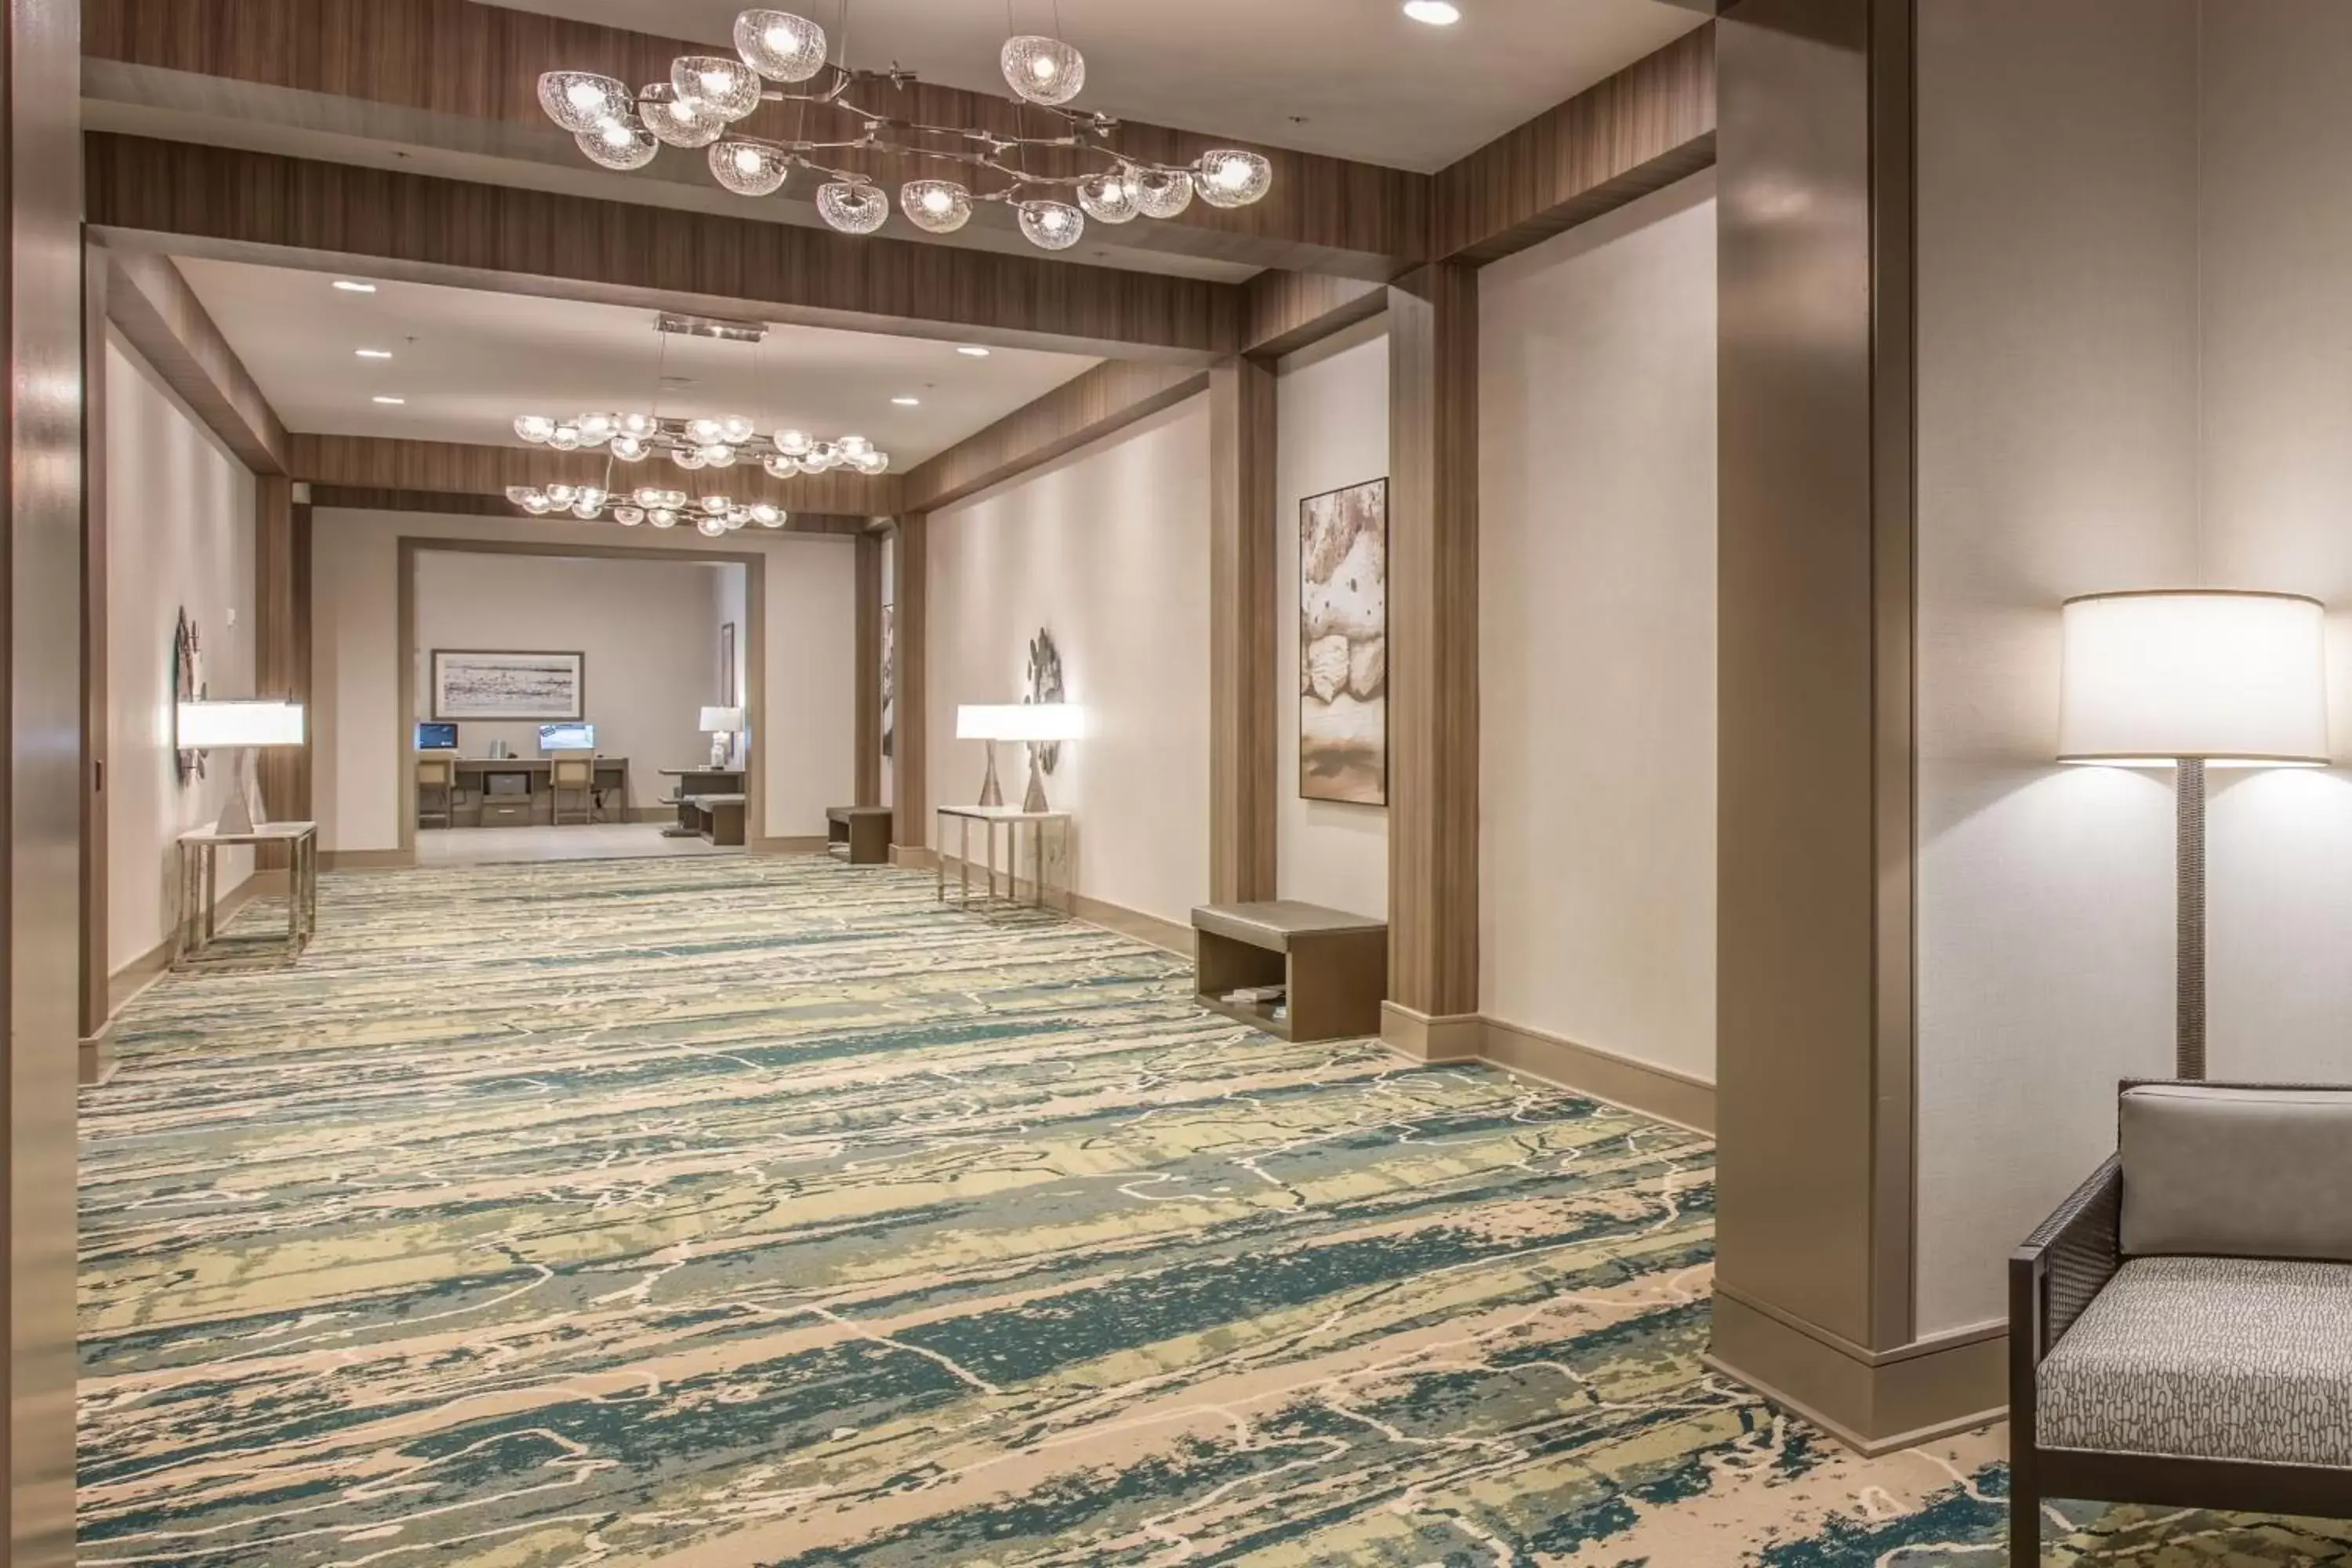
x: 2208, y: 1358
x: 2224, y: 1171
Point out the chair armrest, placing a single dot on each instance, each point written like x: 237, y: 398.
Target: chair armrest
x: 2067, y: 1260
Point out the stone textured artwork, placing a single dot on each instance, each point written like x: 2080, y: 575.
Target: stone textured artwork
x: 1343, y: 645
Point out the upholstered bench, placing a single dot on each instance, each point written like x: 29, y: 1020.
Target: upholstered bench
x: 2181, y: 1328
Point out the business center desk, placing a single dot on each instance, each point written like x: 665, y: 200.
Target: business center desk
x: 513, y: 791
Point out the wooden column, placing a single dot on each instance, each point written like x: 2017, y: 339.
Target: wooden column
x: 1242, y: 588
x: 870, y: 670
x: 911, y: 812
x: 1433, y: 658
x: 97, y: 960
x: 281, y: 642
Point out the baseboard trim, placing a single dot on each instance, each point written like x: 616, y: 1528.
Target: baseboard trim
x: 914, y: 856
x: 134, y: 977
x: 1875, y: 1402
x: 367, y: 859
x: 787, y: 845
x: 1457, y: 1037
x: 1654, y: 1090
x: 650, y: 814
x: 1166, y: 935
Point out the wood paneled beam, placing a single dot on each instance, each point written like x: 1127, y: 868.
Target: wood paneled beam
x: 153, y: 307
x: 448, y: 468
x: 911, y: 812
x: 1084, y: 408
x: 281, y: 643
x: 454, y: 83
x: 1433, y: 658
x: 290, y: 212
x: 448, y: 503
x: 1243, y: 614
x: 1287, y: 310
x: 867, y: 634
x: 1642, y: 130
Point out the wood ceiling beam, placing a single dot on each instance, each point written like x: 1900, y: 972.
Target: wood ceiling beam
x: 369, y: 463
x: 1110, y: 396
x: 350, y: 498
x: 453, y: 79
x: 151, y: 304
x: 1640, y: 131
x: 1285, y: 311
x: 218, y: 202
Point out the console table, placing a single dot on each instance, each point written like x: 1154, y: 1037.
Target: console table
x: 1336, y: 967
x: 1013, y: 819
x: 199, y: 943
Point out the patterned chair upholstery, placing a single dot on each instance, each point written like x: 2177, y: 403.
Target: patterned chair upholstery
x: 2181, y: 1329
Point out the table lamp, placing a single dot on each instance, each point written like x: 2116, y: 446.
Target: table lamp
x: 239, y: 727
x: 724, y: 724
x: 2190, y: 679
x: 984, y: 722
x: 1041, y: 724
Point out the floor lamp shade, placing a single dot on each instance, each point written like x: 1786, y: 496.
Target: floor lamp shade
x: 2229, y: 679
x: 2191, y: 680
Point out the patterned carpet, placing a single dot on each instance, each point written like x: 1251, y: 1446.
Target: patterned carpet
x: 760, y: 1212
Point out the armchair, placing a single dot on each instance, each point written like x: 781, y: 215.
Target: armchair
x: 2180, y: 1329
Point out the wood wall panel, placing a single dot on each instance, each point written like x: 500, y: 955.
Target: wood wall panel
x: 911, y: 812
x: 293, y: 212
x: 152, y: 306
x: 97, y: 961
x: 464, y: 62
x: 1086, y: 408
x: 42, y: 325
x: 1639, y: 131
x: 281, y: 643
x: 373, y: 462
x: 1243, y: 577
x: 1432, y: 648
x: 868, y: 655
x: 1288, y: 310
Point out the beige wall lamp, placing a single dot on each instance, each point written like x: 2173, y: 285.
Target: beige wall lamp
x: 2191, y: 680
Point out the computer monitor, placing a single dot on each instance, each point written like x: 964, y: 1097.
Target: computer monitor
x: 436, y: 737
x: 567, y: 738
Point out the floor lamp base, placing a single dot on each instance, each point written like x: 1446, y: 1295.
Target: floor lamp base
x: 2189, y: 995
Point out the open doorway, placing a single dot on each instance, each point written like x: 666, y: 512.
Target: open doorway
x: 577, y: 702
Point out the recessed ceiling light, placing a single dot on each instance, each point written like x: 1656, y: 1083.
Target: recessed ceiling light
x: 1437, y: 12
x: 972, y: 350
x: 392, y: 401
x: 372, y: 353
x: 904, y: 402
x: 350, y: 286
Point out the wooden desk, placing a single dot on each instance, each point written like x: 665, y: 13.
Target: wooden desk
x: 697, y: 781
x: 199, y: 943
x: 1336, y: 967
x: 528, y: 806
x: 1013, y: 819
x: 861, y: 833
x: 717, y: 817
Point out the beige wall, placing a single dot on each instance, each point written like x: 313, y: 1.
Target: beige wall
x: 648, y: 631
x: 1108, y: 549
x: 179, y: 532
x: 811, y: 708
x: 1333, y: 429
x: 1597, y: 646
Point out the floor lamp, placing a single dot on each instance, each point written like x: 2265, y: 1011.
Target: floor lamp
x: 2191, y: 680
x: 239, y: 727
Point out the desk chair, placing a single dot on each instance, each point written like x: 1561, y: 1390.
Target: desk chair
x: 437, y: 792
x: 573, y: 774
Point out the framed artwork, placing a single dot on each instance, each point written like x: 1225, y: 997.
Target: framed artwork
x: 1343, y: 645
x: 728, y: 696
x: 890, y: 679
x: 475, y: 683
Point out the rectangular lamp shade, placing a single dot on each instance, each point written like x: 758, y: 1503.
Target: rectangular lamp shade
x: 2236, y: 680
x: 206, y: 725
x: 716, y: 719
x: 1020, y: 721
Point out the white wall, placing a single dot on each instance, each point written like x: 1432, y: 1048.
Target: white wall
x: 808, y: 739
x: 1331, y: 430
x: 1597, y: 633
x: 1109, y: 550
x: 649, y: 632
x: 179, y: 533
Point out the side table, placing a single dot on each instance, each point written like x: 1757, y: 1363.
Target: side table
x: 1013, y: 819
x: 199, y: 943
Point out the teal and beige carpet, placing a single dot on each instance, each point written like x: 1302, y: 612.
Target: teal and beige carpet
x: 747, y: 1212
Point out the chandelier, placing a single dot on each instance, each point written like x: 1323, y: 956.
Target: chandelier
x: 707, y: 95
x: 712, y: 515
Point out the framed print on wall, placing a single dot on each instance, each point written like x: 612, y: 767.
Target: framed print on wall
x: 728, y: 696
x: 1343, y: 645
x: 542, y: 687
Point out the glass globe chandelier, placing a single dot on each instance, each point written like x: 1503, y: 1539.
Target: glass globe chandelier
x: 708, y: 99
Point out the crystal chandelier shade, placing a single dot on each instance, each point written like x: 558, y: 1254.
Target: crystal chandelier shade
x: 708, y: 97
x: 714, y: 443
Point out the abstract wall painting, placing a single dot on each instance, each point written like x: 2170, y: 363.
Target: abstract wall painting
x: 1343, y: 642
x: 469, y: 683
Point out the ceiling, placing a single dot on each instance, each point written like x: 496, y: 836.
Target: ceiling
x: 467, y: 361
x: 1353, y: 79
